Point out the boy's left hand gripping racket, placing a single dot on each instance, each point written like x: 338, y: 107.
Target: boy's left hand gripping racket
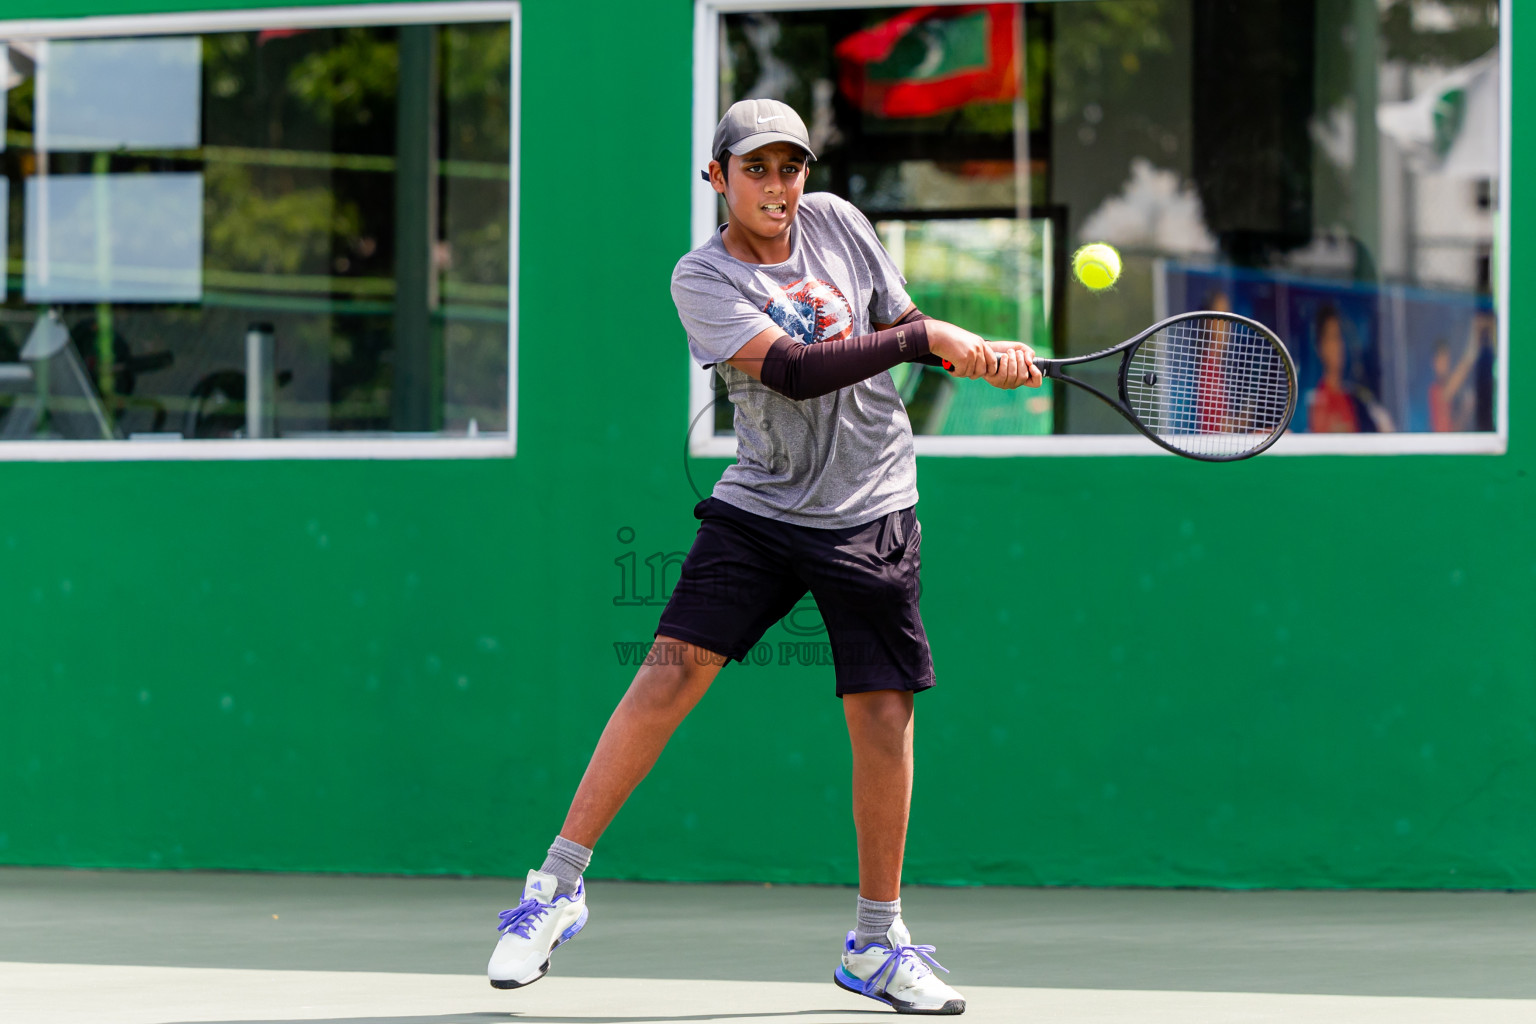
x: 1210, y: 386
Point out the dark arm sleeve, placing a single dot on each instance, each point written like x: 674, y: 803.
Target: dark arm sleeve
x: 913, y: 316
x: 801, y: 371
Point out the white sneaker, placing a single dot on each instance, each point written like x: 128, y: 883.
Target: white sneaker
x: 531, y: 930
x: 895, y: 973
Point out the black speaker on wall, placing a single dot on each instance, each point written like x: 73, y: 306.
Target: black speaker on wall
x: 1254, y: 98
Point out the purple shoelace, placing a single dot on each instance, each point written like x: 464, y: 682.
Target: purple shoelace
x: 521, y: 919
x: 893, y: 961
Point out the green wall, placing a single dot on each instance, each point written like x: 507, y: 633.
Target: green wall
x: 1292, y: 672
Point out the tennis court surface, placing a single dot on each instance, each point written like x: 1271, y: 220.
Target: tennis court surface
x: 86, y: 947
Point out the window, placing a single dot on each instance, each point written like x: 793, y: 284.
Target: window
x: 1335, y: 170
x: 294, y: 235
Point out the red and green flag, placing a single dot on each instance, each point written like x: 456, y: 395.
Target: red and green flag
x: 930, y: 60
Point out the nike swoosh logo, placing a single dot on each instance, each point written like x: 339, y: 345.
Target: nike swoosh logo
x: 765, y: 120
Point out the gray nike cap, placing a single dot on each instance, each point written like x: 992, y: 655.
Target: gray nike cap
x: 753, y: 123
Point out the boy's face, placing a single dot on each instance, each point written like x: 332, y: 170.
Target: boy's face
x: 763, y: 188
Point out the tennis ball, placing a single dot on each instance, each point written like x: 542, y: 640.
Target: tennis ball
x: 1097, y: 266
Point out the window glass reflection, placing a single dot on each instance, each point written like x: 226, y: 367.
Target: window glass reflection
x: 103, y: 94
x: 114, y: 238
x: 1329, y: 168
x: 285, y: 233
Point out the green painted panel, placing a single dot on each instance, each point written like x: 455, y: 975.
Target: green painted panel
x: 1294, y: 672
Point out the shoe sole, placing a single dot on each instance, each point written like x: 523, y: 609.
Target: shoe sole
x: 950, y: 1009
x: 565, y: 936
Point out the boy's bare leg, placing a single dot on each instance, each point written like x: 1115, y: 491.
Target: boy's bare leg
x: 879, y: 959
x: 880, y: 729
x: 659, y: 699
x: 661, y: 695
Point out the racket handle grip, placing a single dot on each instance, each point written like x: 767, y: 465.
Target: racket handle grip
x: 1047, y: 367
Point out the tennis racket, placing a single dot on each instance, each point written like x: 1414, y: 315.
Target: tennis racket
x: 1217, y: 387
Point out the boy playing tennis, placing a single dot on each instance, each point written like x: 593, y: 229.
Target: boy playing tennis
x: 801, y: 312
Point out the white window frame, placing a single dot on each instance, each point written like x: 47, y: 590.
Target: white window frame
x: 703, y: 443
x: 412, y: 446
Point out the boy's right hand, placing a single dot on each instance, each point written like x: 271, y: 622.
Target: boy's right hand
x: 969, y: 355
x: 1005, y: 364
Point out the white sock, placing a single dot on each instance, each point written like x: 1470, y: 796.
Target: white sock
x: 875, y: 919
x: 567, y: 861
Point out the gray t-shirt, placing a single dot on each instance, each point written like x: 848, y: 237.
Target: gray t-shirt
x: 840, y: 460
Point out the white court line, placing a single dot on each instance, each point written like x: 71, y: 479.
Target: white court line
x: 95, y: 994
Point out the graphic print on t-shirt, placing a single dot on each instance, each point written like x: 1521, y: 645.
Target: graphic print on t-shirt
x: 810, y: 311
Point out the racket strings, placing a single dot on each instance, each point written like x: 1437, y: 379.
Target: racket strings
x: 1210, y: 386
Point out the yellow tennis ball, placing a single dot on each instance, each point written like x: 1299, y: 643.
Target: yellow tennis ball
x: 1097, y: 266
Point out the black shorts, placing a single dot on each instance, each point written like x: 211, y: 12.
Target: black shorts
x: 745, y: 572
